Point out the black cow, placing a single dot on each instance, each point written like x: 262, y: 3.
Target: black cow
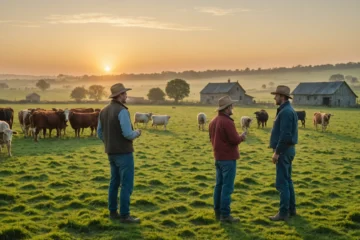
x: 262, y: 117
x: 7, y: 115
x: 301, y: 116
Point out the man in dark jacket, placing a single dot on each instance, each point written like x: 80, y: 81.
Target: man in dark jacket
x: 225, y: 140
x: 284, y: 136
x: 117, y: 133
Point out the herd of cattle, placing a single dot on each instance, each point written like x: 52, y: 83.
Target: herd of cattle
x: 34, y: 120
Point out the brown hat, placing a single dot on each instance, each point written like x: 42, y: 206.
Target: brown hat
x: 117, y: 89
x: 283, y: 90
x: 224, y: 102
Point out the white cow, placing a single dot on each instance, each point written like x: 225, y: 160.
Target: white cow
x: 6, y: 136
x: 201, y: 118
x: 160, y: 120
x: 142, y: 118
x: 24, y: 123
x: 245, y: 123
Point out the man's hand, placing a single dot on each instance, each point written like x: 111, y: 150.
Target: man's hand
x: 275, y: 158
x: 139, y: 132
x: 243, y: 136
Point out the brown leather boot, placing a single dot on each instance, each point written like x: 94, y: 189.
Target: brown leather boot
x: 229, y: 219
x: 278, y: 217
x: 114, y: 215
x: 129, y: 219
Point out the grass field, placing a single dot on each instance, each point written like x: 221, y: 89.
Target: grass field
x: 57, y: 188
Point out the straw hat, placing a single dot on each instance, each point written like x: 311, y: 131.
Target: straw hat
x: 283, y: 90
x: 224, y: 102
x: 117, y: 89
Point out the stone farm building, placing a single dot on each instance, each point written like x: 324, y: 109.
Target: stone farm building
x: 33, y: 97
x: 336, y: 94
x: 213, y: 91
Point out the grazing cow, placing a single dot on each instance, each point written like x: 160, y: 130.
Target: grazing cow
x: 301, y: 116
x: 160, y: 120
x: 201, y: 119
x: 82, y: 110
x: 142, y: 118
x: 262, y: 117
x: 6, y: 136
x: 84, y: 120
x: 323, y: 119
x: 22, y: 114
x: 48, y: 120
x: 97, y: 109
x: 245, y: 123
x: 7, y: 115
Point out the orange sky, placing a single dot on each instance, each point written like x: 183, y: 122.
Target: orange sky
x: 52, y: 37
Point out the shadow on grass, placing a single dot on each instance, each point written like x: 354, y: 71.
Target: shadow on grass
x: 234, y: 231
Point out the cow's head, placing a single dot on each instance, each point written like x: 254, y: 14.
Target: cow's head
x: 66, y: 112
x: 168, y: 117
x: 249, y: 120
x: 149, y: 115
x: 7, y: 135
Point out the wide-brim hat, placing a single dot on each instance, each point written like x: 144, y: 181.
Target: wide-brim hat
x: 224, y: 102
x: 118, y: 89
x: 282, y: 90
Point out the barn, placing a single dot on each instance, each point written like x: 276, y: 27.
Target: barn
x: 33, y: 97
x: 334, y: 94
x: 213, y: 91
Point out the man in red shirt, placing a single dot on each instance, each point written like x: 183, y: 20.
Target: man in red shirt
x: 225, y: 140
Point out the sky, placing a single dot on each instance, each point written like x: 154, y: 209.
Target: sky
x: 46, y: 37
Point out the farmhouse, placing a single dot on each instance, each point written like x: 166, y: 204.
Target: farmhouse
x: 213, y: 91
x: 33, y: 97
x: 336, y: 94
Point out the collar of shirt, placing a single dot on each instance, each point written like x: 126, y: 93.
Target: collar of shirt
x: 286, y: 103
x: 224, y: 114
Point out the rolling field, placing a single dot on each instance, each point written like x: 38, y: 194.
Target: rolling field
x: 57, y: 188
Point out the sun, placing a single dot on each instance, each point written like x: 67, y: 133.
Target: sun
x: 107, y: 68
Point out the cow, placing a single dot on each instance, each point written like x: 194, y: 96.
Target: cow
x: 22, y: 114
x: 97, y: 110
x: 160, y: 120
x: 201, y: 120
x: 83, y: 110
x: 84, y: 120
x: 26, y: 122
x: 262, y: 117
x: 245, y: 123
x: 6, y: 136
x: 7, y: 115
x: 323, y: 119
x: 48, y: 120
x: 142, y: 118
x: 301, y: 116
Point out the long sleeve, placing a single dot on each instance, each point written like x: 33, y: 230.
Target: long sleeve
x: 125, y: 124
x: 233, y: 137
x: 99, y: 130
x: 286, y: 136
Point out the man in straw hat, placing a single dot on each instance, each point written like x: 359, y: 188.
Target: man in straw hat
x: 117, y: 133
x: 225, y: 140
x: 284, y: 136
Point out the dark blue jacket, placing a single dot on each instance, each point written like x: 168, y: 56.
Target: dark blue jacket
x: 285, y: 130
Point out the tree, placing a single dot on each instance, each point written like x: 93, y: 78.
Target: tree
x: 43, y: 85
x: 156, y: 94
x: 263, y: 86
x: 96, y: 92
x: 348, y: 77
x: 177, y: 89
x: 354, y: 80
x: 79, y: 93
x: 336, y: 78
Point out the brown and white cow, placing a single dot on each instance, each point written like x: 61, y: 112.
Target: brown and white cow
x: 6, y: 136
x: 42, y: 120
x: 245, y: 123
x: 323, y: 119
x: 84, y: 120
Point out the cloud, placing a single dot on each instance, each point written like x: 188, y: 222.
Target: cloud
x: 140, y: 22
x: 221, y: 11
x: 16, y: 23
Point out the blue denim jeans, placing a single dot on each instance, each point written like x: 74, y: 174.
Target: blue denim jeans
x: 122, y: 173
x: 225, y: 176
x: 284, y: 182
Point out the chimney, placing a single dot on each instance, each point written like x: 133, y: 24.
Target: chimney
x: 229, y: 80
